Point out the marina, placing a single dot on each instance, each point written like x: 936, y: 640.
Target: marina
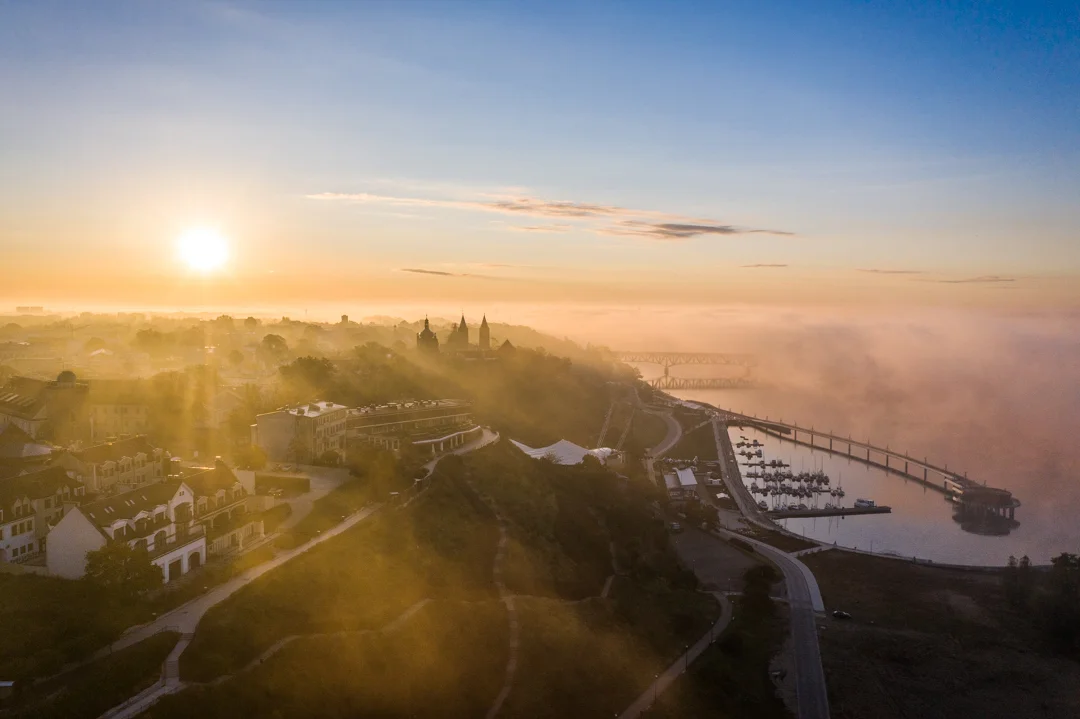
x: 908, y: 518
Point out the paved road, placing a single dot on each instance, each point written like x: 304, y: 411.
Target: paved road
x: 804, y: 596
x: 323, y: 481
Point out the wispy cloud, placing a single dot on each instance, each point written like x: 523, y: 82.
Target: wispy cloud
x: 877, y: 271
x: 763, y: 265
x: 442, y: 273
x: 982, y: 280
x: 599, y: 218
x: 429, y: 272
x: 678, y: 230
x: 539, y: 228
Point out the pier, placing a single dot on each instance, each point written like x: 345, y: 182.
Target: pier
x: 832, y: 512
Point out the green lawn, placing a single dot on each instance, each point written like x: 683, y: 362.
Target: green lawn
x: 700, y: 442
x: 90, y: 690
x: 49, y: 622
x: 442, y: 546
x: 445, y: 661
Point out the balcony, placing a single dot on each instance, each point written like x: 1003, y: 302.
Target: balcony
x: 184, y: 536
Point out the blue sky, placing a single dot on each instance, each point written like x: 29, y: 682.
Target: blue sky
x: 937, y: 138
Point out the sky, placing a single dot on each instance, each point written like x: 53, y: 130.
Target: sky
x: 454, y: 153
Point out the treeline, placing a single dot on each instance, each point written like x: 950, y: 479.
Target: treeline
x: 1051, y: 598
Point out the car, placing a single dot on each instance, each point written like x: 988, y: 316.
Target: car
x: 675, y: 527
x: 839, y: 614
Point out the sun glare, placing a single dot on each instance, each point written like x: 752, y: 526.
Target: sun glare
x: 203, y: 249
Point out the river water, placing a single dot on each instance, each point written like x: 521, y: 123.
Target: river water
x: 921, y: 523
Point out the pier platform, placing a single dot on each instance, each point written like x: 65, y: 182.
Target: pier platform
x: 836, y: 512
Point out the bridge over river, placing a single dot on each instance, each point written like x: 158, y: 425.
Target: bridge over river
x: 972, y: 496
x: 667, y: 360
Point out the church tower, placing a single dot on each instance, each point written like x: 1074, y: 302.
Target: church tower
x: 485, y: 335
x: 426, y: 341
x: 463, y: 334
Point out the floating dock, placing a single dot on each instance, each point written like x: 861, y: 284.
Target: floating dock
x: 834, y: 512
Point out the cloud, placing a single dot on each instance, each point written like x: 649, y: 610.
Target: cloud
x: 539, y: 228
x: 876, y: 271
x: 596, y: 217
x: 678, y: 230
x: 983, y: 280
x: 762, y: 265
x: 441, y: 273
x: 428, y: 272
x: 531, y: 206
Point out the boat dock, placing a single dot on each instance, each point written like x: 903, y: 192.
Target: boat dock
x: 831, y: 512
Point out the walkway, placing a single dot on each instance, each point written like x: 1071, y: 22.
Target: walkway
x: 680, y: 665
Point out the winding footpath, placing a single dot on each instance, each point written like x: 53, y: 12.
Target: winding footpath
x: 511, y: 612
x: 680, y: 665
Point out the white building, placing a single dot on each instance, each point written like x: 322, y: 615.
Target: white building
x: 157, y: 519
x: 222, y: 508
x: 301, y: 434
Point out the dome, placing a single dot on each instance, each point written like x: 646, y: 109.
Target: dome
x: 66, y: 377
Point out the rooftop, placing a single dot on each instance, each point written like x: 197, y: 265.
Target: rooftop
x: 127, y: 505
x: 686, y: 477
x: 315, y: 409
x: 207, y: 482
x: 35, y: 485
x: 113, y: 451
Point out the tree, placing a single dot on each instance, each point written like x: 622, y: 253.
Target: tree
x: 308, y: 377
x: 94, y: 344
x: 274, y: 348
x: 121, y: 571
x: 1062, y: 613
x: 249, y: 457
x: 149, y: 340
x: 251, y: 323
x: 236, y: 358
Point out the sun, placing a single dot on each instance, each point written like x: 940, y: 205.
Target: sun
x: 203, y: 249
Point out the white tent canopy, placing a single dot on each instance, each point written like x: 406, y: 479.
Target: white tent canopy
x: 565, y: 452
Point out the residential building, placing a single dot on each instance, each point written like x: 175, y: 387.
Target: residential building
x: 19, y: 452
x: 30, y: 505
x: 222, y: 508
x: 422, y: 421
x: 118, y: 466
x: 301, y: 434
x: 25, y: 412
x: 158, y: 519
x: 117, y: 408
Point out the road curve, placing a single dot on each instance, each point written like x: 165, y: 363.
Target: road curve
x: 803, y: 592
